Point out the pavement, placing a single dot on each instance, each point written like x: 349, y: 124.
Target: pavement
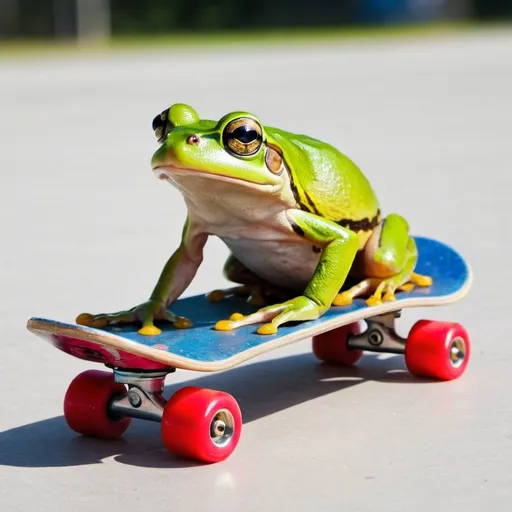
x: 86, y: 227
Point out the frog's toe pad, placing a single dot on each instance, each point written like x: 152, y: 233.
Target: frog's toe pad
x: 389, y: 296
x: 267, y: 329
x: 342, y: 299
x: 85, y: 319
x: 256, y: 301
x: 96, y: 321
x: 236, y: 316
x: 182, y: 323
x: 149, y: 330
x: 216, y: 296
x: 374, y: 301
x: 224, y: 325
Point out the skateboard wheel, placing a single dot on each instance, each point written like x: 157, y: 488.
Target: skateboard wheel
x: 332, y: 346
x: 86, y: 405
x: 201, y: 424
x: 439, y: 350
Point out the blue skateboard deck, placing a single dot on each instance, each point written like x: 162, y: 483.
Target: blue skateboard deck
x: 202, y: 348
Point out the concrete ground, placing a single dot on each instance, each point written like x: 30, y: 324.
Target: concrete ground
x: 86, y: 227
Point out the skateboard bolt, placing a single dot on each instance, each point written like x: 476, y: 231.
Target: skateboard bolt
x: 134, y: 399
x: 457, y: 352
x: 219, y: 428
x: 375, y: 338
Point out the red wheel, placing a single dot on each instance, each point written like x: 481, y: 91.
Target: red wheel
x: 332, y: 346
x: 201, y: 424
x: 86, y: 405
x: 438, y: 350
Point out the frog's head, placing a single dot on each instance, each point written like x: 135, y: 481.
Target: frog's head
x: 233, y: 149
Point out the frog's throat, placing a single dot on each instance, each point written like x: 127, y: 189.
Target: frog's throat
x: 168, y: 172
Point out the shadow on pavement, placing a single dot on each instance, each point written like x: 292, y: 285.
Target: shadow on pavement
x: 261, y: 389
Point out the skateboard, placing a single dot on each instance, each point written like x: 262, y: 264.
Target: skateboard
x: 205, y: 424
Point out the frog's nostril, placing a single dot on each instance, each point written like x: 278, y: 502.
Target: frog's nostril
x: 193, y: 140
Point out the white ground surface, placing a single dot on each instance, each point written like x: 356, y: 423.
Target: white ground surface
x: 86, y: 227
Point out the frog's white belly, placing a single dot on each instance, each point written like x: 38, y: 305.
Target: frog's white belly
x: 254, y: 226
x: 286, y: 263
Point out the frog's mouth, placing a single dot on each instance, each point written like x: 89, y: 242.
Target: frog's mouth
x: 171, y: 172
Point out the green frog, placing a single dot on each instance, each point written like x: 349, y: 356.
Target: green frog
x: 299, y: 218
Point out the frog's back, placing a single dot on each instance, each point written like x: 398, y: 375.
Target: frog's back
x: 327, y: 182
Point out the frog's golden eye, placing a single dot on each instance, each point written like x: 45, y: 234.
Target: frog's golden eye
x: 243, y: 136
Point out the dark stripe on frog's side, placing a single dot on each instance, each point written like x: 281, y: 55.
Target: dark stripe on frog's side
x: 379, y: 244
x: 312, y: 204
x: 296, y: 195
x: 301, y: 201
x: 365, y: 224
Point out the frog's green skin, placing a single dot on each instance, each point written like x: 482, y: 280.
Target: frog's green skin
x: 295, y: 213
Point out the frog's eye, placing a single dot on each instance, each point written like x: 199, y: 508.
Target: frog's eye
x: 161, y: 126
x: 243, y: 136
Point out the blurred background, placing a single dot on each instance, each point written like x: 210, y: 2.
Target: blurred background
x: 105, y: 18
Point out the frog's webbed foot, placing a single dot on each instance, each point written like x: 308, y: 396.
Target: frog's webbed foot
x: 346, y: 297
x: 379, y: 287
x: 298, y: 309
x: 389, y: 259
x: 385, y: 292
x: 145, y: 313
x: 383, y: 289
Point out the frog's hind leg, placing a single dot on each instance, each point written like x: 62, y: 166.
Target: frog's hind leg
x: 235, y: 291
x: 388, y: 261
x: 250, y: 285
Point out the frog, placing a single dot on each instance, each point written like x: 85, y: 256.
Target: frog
x: 299, y: 218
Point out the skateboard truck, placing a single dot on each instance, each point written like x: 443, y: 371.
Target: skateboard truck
x: 380, y: 336
x: 438, y: 350
x: 144, y: 398
x: 196, y: 423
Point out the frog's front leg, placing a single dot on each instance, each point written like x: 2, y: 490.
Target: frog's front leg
x: 388, y: 262
x: 339, y: 245
x: 176, y: 275
x: 251, y: 285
